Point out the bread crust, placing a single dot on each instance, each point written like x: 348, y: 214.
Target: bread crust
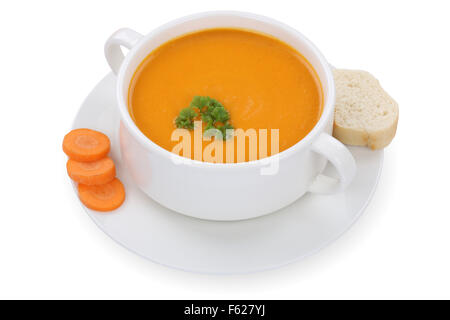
x: 358, y: 137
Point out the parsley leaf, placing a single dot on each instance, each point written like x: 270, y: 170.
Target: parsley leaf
x: 186, y: 118
x: 223, y: 128
x: 211, y: 111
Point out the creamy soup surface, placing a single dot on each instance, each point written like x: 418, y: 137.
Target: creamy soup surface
x: 261, y: 81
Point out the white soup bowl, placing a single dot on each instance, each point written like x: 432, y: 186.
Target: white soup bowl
x: 227, y: 191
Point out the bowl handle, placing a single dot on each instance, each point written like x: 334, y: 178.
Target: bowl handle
x: 123, y: 37
x: 341, y: 158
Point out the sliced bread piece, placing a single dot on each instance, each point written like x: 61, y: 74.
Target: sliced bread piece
x: 365, y: 115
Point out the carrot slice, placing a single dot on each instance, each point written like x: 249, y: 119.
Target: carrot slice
x: 105, y: 197
x: 86, y: 145
x: 92, y: 173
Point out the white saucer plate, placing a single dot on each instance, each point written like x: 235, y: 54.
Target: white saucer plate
x: 163, y: 236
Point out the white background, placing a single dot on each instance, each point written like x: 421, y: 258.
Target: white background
x: 52, y: 56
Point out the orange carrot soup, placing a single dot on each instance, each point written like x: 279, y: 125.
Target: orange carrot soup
x: 254, y: 81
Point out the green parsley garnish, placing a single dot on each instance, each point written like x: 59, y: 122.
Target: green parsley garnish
x: 211, y: 111
x: 186, y: 118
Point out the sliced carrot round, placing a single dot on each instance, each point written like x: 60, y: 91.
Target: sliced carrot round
x: 86, y: 145
x: 105, y: 197
x: 92, y: 173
